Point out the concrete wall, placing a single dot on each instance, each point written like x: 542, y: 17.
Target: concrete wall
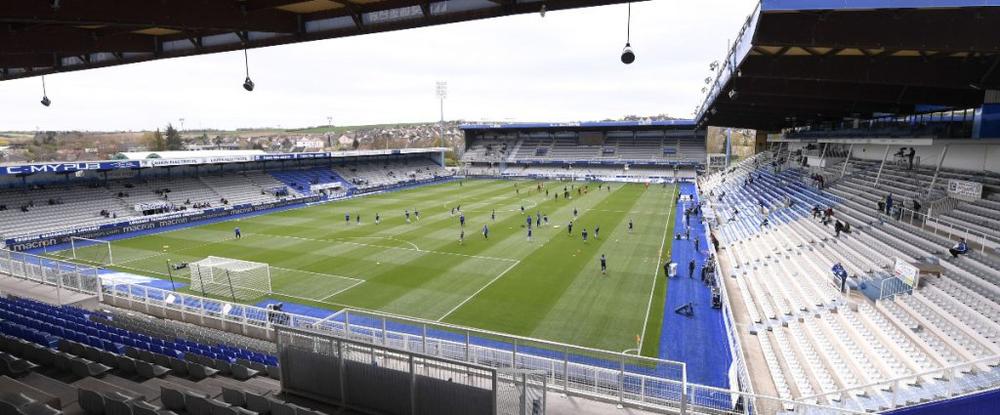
x: 970, y: 157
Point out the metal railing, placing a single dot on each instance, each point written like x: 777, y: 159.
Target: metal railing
x: 329, y: 369
x: 642, y: 382
x: 928, y: 223
x: 59, y: 274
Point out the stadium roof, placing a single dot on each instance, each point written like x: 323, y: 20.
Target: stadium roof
x: 139, y: 155
x: 798, y: 62
x: 585, y: 125
x: 41, y: 37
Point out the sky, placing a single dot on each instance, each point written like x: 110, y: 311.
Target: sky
x: 558, y: 68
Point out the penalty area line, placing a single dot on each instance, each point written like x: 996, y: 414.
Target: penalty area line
x: 341, y: 290
x: 478, y: 291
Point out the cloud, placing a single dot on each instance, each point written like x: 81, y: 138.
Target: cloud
x: 562, y: 67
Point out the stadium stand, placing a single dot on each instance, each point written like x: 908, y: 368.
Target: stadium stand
x: 377, y: 175
x: 71, y: 360
x: 841, y: 350
x: 56, y: 206
x: 628, y: 150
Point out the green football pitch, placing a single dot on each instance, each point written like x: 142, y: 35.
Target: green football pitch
x: 550, y: 287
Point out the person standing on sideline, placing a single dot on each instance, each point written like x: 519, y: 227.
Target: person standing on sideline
x: 461, y: 220
x: 493, y: 216
x: 569, y: 228
x: 357, y: 219
x: 584, y: 233
x: 574, y: 213
x: 237, y: 232
x: 378, y: 218
x: 888, y: 205
x: 347, y: 218
x: 629, y: 225
x: 604, y: 265
x: 597, y: 231
x: 666, y: 268
x: 461, y: 237
x: 697, y: 244
x: 529, y: 234
x: 407, y: 215
x: 691, y: 266
x: 486, y: 232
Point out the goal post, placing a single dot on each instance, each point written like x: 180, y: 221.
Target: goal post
x: 91, y: 250
x: 227, y: 277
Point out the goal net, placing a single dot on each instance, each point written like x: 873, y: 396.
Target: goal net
x: 226, y: 277
x: 93, y: 251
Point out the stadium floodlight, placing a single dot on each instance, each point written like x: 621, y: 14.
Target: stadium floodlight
x: 442, y: 93
x: 45, y: 97
x: 733, y: 94
x: 627, y: 55
x: 247, y: 83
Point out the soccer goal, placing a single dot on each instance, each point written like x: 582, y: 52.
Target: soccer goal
x: 226, y: 277
x: 94, y: 251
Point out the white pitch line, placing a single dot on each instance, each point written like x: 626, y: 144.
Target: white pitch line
x: 391, y: 247
x: 479, y: 291
x: 656, y: 271
x: 322, y: 274
x: 341, y: 290
x: 390, y: 238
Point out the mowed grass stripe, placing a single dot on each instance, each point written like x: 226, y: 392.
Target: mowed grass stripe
x: 521, y: 302
x: 447, y: 278
x: 455, y: 284
x: 615, y: 303
x: 420, y: 270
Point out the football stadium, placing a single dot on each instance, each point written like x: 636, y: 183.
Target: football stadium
x: 754, y: 258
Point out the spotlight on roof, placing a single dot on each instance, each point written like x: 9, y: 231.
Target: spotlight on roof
x: 733, y: 94
x: 248, y: 84
x: 45, y: 96
x: 627, y: 55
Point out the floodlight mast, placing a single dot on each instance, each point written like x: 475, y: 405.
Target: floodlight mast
x: 442, y: 93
